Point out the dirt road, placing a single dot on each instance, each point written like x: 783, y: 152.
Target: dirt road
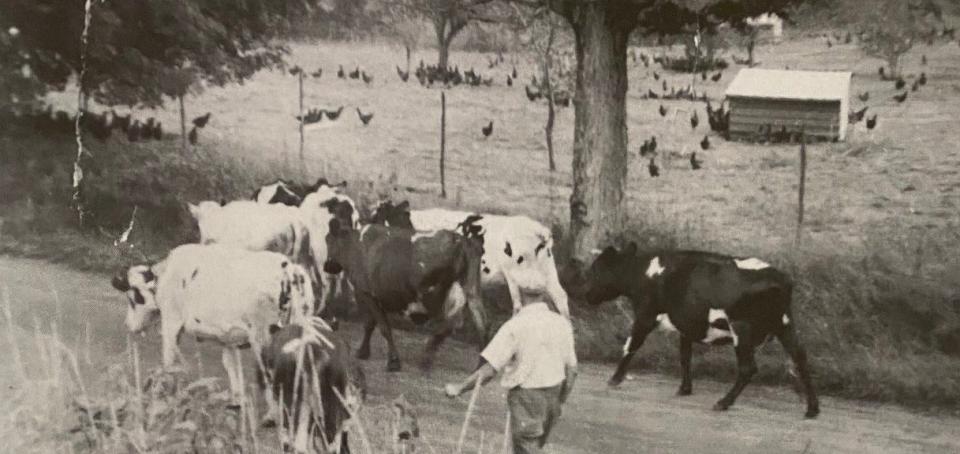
x: 641, y: 416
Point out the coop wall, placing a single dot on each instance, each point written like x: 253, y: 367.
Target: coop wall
x: 820, y: 119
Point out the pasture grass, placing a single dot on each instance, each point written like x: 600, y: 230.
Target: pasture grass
x: 876, y: 272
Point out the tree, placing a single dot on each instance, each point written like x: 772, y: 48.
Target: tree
x: 601, y: 30
x: 888, y: 29
x: 408, y: 30
x: 449, y: 18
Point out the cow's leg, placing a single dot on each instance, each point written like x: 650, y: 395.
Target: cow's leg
x: 642, y: 327
x: 364, y: 351
x: 514, y: 289
x: 686, y: 352
x: 788, y: 337
x: 170, y: 331
x: 233, y: 377
x: 393, y: 357
x: 746, y: 365
x: 556, y: 291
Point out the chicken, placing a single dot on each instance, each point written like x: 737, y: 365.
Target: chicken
x: 705, y: 143
x: 865, y: 96
x: 915, y: 86
x: 651, y: 94
x: 663, y: 111
x: 923, y: 59
x: 192, y: 136
x: 922, y: 79
x: 365, y: 118
x: 487, y: 130
x: 900, y: 83
x: 653, y: 169
x: 882, y: 72
x: 656, y: 76
x: 366, y: 77
x: 694, y: 162
x: 694, y: 120
x: 404, y: 76
x: 856, y: 117
x: 312, y: 116
x: 872, y: 122
x: 703, y: 76
x: 531, y: 94
x: 355, y: 74
x: 316, y: 74
x: 514, y: 73
x: 829, y: 43
x: 340, y: 73
x: 716, y: 77
x: 334, y: 115
x: 509, y: 81
x: 901, y: 97
x: 664, y: 84
x: 295, y: 70
x: 202, y: 120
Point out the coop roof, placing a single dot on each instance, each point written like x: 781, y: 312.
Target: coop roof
x: 793, y: 85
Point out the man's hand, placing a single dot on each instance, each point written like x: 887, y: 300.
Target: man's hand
x: 452, y: 390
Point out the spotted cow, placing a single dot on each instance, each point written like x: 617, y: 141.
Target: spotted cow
x: 289, y: 193
x: 709, y: 298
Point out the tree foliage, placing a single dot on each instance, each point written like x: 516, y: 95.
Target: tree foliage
x: 142, y: 50
x: 450, y: 17
x: 888, y: 29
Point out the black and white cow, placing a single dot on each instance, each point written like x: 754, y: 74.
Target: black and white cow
x: 424, y: 275
x: 518, y: 251
x: 709, y: 298
x: 289, y: 193
x: 314, y: 380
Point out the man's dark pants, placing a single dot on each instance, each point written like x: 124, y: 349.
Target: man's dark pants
x: 533, y: 413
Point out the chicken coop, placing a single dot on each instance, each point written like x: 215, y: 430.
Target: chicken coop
x: 762, y: 101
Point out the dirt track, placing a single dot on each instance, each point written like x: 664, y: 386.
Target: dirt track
x: 642, y: 416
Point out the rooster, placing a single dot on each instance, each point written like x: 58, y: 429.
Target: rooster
x: 514, y: 73
x: 653, y: 169
x: 192, y: 136
x: 900, y: 83
x: 532, y: 95
x: 922, y: 79
x: 882, y: 72
x: 316, y: 74
x: 334, y: 115
x: 509, y: 81
x: 355, y: 74
x: 656, y: 76
x: 340, y: 73
x: 694, y: 120
x: 651, y: 94
x: 295, y: 70
x: 487, y: 130
x: 664, y: 84
x: 202, y: 120
x: 694, y: 162
x: 365, y: 118
x: 366, y: 78
x: 865, y: 96
x: 404, y: 76
x: 923, y: 59
x: 901, y: 97
x: 716, y: 77
x: 872, y: 122
x: 857, y: 117
x: 705, y: 143
x: 663, y: 111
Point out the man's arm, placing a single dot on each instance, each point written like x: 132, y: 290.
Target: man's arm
x: 571, y: 372
x: 484, y: 373
x: 569, y: 366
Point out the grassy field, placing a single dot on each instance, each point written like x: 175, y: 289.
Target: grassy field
x: 878, y: 269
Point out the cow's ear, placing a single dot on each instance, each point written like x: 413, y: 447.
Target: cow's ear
x: 120, y: 283
x: 630, y: 250
x: 321, y: 182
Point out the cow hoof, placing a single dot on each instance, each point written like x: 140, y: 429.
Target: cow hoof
x: 812, y: 413
x: 720, y: 406
x: 614, y: 382
x: 684, y: 391
x: 393, y: 366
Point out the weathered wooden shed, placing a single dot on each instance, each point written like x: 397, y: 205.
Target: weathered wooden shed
x: 817, y: 100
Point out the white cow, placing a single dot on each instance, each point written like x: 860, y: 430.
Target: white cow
x: 258, y: 227
x: 219, y: 293
x: 518, y: 250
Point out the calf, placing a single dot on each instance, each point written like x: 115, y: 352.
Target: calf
x: 709, y: 298
x: 426, y: 275
x: 228, y: 295
x: 515, y: 247
x: 289, y: 193
x: 315, y: 381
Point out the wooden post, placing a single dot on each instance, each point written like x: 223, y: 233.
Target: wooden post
x: 300, y: 81
x: 803, y: 179
x: 443, y: 142
x: 183, y: 125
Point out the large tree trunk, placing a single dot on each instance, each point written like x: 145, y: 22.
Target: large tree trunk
x: 446, y: 29
x: 444, y: 49
x: 551, y: 110
x: 600, y: 135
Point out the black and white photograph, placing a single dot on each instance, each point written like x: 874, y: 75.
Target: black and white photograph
x: 479, y: 226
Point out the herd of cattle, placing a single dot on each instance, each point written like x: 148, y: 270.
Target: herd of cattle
x: 267, y: 270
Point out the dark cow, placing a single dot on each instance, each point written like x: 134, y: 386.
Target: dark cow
x: 289, y: 193
x: 424, y: 275
x: 709, y: 298
x: 315, y: 395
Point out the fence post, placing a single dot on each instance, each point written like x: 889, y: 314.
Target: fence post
x: 802, y: 188
x: 300, y: 79
x: 443, y: 143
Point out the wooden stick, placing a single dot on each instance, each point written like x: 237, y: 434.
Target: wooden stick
x: 300, y: 82
x: 802, y: 189
x: 466, y: 418
x: 443, y: 143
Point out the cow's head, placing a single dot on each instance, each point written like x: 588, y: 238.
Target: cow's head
x: 343, y: 240
x: 200, y: 210
x: 139, y: 284
x: 386, y: 213
x: 278, y: 192
x: 608, y: 274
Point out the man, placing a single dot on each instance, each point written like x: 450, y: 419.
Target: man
x: 534, y: 353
